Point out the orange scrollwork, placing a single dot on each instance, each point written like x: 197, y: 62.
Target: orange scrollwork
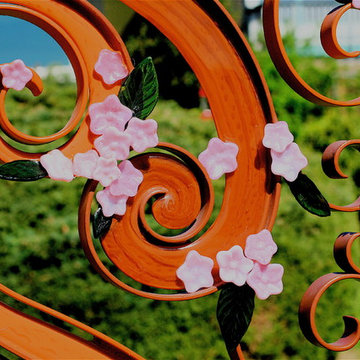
x: 282, y: 62
x: 331, y: 167
x: 241, y: 106
x: 184, y: 194
x: 310, y: 300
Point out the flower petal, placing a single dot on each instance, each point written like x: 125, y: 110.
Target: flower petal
x: 219, y: 158
x: 57, y: 165
x: 111, y: 67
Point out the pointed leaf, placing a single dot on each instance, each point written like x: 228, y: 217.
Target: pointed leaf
x: 101, y: 223
x: 309, y: 196
x: 140, y: 91
x: 234, y: 312
x: 22, y: 170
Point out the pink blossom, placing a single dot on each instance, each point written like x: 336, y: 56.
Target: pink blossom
x: 266, y: 280
x: 234, y: 266
x: 106, y: 171
x: 113, y: 144
x: 195, y: 272
x: 111, y: 67
x: 356, y: 4
x: 128, y: 181
x: 260, y: 247
x: 111, y: 204
x: 288, y: 163
x: 277, y: 136
x: 143, y: 134
x: 57, y: 165
x: 110, y: 112
x: 15, y: 75
x: 219, y: 158
x: 84, y: 164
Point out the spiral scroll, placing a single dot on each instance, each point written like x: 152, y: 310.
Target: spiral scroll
x: 150, y: 258
x: 331, y: 167
x: 310, y: 300
x: 183, y: 191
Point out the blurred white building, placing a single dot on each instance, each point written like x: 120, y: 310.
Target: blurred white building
x: 304, y: 19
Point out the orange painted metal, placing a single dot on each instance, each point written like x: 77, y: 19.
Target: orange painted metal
x: 310, y: 300
x: 221, y: 65
x: 283, y: 63
x: 330, y: 163
x: 328, y: 34
x: 331, y: 167
x: 241, y: 105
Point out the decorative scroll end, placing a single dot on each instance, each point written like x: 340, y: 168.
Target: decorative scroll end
x: 311, y: 298
x: 331, y: 167
x: 328, y: 34
x: 342, y: 252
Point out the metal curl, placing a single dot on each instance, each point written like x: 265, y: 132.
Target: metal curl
x: 282, y: 62
x: 331, y: 167
x: 73, y: 35
x: 311, y: 298
x: 328, y: 34
x: 136, y: 249
x: 342, y: 252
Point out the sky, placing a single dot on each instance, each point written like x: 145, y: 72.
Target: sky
x: 20, y: 39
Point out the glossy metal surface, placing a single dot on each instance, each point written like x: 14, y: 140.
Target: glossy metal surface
x: 214, y: 47
x: 310, y: 300
x: 331, y: 167
x: 283, y: 63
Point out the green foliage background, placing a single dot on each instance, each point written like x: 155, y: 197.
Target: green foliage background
x: 41, y: 256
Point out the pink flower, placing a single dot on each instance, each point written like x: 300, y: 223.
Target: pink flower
x: 111, y: 67
x: 57, y: 165
x: 288, y: 163
x: 111, y: 204
x: 106, y: 171
x: 195, y: 272
x: 219, y: 158
x: 266, y: 280
x: 128, y: 181
x: 277, y: 136
x: 110, y: 112
x: 143, y: 134
x: 356, y: 4
x: 15, y: 75
x: 234, y: 266
x: 260, y: 247
x: 84, y: 164
x: 113, y: 144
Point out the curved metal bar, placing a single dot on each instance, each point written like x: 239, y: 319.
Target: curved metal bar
x: 331, y: 167
x: 283, y: 64
x: 102, y: 346
x: 73, y: 32
x: 307, y: 313
x: 342, y: 252
x: 123, y: 247
x: 328, y: 34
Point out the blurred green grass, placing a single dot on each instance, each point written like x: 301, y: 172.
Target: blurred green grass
x: 41, y: 256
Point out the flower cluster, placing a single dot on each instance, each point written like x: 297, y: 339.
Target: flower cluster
x: 287, y: 158
x: 219, y: 158
x: 118, y: 132
x: 253, y: 267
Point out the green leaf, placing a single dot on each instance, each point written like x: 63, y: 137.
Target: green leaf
x: 234, y: 312
x: 22, y: 170
x: 101, y: 223
x: 308, y: 196
x: 140, y: 91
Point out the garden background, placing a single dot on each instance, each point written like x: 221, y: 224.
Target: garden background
x: 40, y: 251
